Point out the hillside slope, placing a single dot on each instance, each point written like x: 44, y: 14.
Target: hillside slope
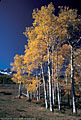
x: 11, y: 107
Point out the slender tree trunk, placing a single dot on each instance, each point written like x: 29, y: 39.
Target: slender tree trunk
x: 37, y: 86
x: 58, y: 95
x: 50, y: 80
x: 20, y: 92
x: 31, y: 95
x: 40, y: 88
x: 44, y: 83
x: 53, y: 92
x: 58, y: 91
x: 72, y: 83
x: 28, y: 94
x: 53, y: 87
x: 34, y: 95
x: 37, y: 92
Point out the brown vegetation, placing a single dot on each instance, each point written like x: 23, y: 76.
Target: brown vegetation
x: 11, y: 107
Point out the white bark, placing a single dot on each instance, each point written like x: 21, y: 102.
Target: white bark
x: 19, y: 95
x: 72, y: 83
x: 24, y: 94
x: 37, y: 93
x: 58, y: 95
x: 50, y: 80
x: 27, y: 94
x: 53, y: 92
x: 53, y: 89
x: 58, y: 91
x: 44, y: 83
x: 37, y: 86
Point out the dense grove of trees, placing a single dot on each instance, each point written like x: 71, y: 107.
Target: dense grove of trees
x: 5, y: 79
x: 53, y: 44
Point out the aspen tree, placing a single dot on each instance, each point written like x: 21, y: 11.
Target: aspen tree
x: 45, y: 18
x: 71, y: 21
x: 45, y: 22
x: 34, y: 49
x: 45, y: 41
x: 18, y: 68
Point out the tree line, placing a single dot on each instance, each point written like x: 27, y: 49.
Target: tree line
x: 53, y: 44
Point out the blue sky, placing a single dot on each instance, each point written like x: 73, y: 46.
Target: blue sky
x: 15, y: 16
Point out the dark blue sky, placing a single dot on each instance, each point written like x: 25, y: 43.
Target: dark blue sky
x: 15, y: 16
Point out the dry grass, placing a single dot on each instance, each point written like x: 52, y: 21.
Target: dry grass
x: 11, y: 107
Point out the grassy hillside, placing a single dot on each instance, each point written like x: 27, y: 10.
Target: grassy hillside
x: 12, y: 107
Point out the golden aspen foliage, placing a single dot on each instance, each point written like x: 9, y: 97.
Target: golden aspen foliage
x: 17, y: 66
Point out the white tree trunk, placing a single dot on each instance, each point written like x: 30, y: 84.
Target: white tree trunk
x: 20, y: 92
x: 37, y: 93
x: 58, y: 95
x: 53, y: 92
x: 58, y: 91
x: 28, y: 94
x: 72, y: 83
x: 44, y: 83
x: 50, y: 80
x: 37, y: 86
x: 53, y: 89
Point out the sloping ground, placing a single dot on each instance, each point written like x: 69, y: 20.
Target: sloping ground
x: 10, y: 107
